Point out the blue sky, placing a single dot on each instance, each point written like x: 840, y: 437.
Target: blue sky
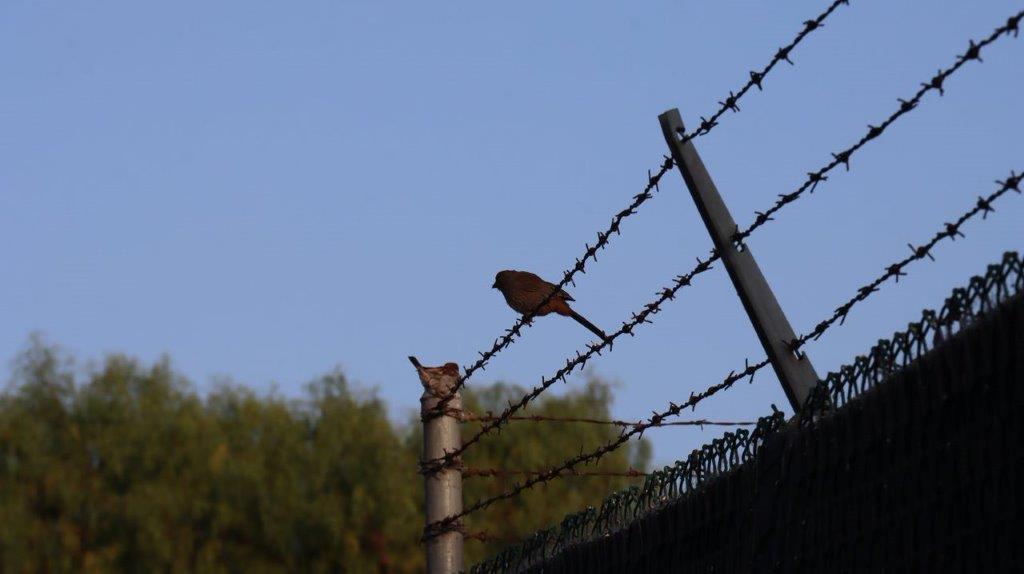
x: 266, y: 190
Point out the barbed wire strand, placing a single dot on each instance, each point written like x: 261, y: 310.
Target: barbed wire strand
x: 729, y: 103
x: 504, y: 472
x: 568, y: 275
x: 656, y: 418
x: 490, y: 417
x: 972, y: 53
x: 950, y: 231
x: 593, y: 349
x: 756, y: 78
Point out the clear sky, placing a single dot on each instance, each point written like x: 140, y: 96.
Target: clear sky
x: 264, y: 190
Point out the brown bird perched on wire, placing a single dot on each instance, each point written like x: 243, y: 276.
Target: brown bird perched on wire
x: 524, y: 291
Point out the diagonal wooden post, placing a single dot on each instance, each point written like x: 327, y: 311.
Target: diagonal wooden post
x: 442, y: 484
x: 773, y: 329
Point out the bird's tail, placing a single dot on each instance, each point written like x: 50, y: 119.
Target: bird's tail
x: 593, y: 328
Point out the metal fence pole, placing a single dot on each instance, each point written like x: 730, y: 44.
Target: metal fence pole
x: 442, y: 485
x: 773, y: 329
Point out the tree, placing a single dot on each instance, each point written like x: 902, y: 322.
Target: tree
x: 525, y: 445
x: 130, y: 469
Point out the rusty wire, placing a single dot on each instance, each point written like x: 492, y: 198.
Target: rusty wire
x: 972, y: 53
x: 590, y: 251
x: 490, y: 417
x: 504, y: 472
x: 949, y: 231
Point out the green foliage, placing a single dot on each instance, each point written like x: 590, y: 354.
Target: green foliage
x: 131, y: 470
x: 539, y: 446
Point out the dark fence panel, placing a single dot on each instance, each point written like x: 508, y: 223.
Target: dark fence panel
x: 909, y: 459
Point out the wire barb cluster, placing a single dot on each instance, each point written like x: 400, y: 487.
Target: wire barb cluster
x: 729, y: 103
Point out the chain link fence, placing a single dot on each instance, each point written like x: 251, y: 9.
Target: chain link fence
x: 908, y: 459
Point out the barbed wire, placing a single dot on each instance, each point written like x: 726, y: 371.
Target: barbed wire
x: 950, y: 231
x: 579, y: 266
x: 973, y: 52
x: 490, y: 417
x: 964, y: 308
x: 593, y: 349
x: 729, y: 103
x: 656, y: 418
x: 504, y: 472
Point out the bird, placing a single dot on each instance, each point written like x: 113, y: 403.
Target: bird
x: 524, y: 291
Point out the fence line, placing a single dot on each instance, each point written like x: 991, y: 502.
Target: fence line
x: 972, y: 53
x: 950, y: 231
x: 659, y: 488
x: 442, y: 526
x: 962, y: 309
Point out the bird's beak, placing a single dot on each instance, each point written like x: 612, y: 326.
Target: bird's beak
x: 495, y: 286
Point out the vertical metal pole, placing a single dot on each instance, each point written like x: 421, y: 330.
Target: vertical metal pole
x: 795, y: 372
x: 443, y: 486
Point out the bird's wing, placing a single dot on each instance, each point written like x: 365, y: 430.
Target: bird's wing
x: 538, y: 284
x: 561, y: 292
